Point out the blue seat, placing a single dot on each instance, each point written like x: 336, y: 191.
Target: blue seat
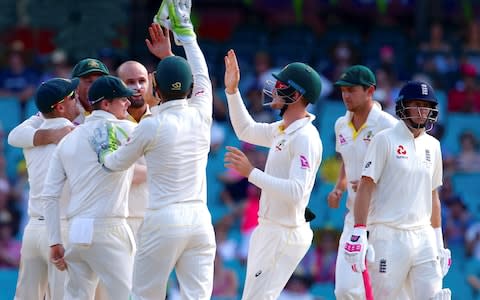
x: 456, y: 281
x: 10, y: 113
x: 324, y: 291
x: 8, y: 283
x: 456, y: 124
x: 328, y: 112
x: 467, y: 185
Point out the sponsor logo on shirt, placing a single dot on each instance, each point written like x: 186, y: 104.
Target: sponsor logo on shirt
x: 304, y: 162
x: 258, y: 273
x: 368, y: 137
x: 368, y: 164
x: 280, y: 145
x: 199, y: 92
x: 342, y: 140
x: 401, y: 152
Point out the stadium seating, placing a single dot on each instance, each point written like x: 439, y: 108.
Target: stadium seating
x: 328, y: 112
x: 324, y: 291
x: 456, y: 124
x: 10, y: 113
x: 467, y: 186
x: 8, y: 283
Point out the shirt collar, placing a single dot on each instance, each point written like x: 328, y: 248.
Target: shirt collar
x: 297, y: 124
x: 405, y: 130
x: 166, y: 105
x: 56, y: 122
x: 147, y: 113
x: 100, y: 114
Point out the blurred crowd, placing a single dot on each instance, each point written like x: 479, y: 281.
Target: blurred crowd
x: 448, y: 57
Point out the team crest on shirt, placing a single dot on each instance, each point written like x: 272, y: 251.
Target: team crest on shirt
x: 401, y: 152
x: 280, y: 145
x: 342, y: 139
x: 368, y: 137
x: 304, y: 162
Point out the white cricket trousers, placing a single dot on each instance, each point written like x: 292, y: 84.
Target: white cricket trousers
x: 348, y: 284
x: 179, y: 236
x: 38, y: 278
x: 109, y: 258
x: 135, y: 223
x: 274, y: 253
x: 404, y: 258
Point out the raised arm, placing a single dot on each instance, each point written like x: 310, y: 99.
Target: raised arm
x: 245, y: 127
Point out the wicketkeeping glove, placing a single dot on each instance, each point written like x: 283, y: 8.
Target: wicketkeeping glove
x: 175, y: 15
x: 355, y: 250
x: 104, y: 140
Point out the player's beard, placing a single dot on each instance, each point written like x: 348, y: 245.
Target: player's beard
x: 136, y: 101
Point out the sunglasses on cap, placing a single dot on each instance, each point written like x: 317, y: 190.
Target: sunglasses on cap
x: 70, y: 96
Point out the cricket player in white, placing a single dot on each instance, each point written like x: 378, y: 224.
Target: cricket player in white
x: 398, y: 199
x: 135, y: 76
x: 353, y: 133
x: 177, y: 232
x: 28, y: 134
x: 100, y: 243
x: 283, y: 235
x: 38, y: 278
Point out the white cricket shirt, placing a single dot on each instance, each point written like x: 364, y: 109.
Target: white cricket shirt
x: 353, y: 144
x: 406, y: 170
x: 292, y: 164
x: 95, y: 192
x: 175, y: 141
x: 138, y: 197
x: 37, y: 160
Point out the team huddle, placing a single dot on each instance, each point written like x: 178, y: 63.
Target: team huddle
x: 117, y: 175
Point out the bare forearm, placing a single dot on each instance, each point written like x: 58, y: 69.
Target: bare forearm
x: 436, y: 218
x: 342, y: 179
x: 362, y: 200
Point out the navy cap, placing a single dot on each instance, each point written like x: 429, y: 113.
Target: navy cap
x: 417, y: 90
x: 53, y: 91
x: 108, y: 87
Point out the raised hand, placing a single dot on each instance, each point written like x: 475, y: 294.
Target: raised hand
x: 159, y: 43
x: 232, y: 72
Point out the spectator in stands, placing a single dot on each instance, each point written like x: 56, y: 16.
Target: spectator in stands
x: 435, y: 55
x: 342, y: 55
x: 255, y: 106
x: 248, y: 221
x: 226, y: 246
x: 471, y: 45
x: 225, y: 281
x: 468, y: 160
x: 9, y: 247
x: 386, y: 90
x: 465, y: 96
x: 297, y: 288
x: 57, y: 67
x: 472, y: 272
x: 320, y: 260
x: 456, y: 222
x: 472, y: 239
x: 17, y: 79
